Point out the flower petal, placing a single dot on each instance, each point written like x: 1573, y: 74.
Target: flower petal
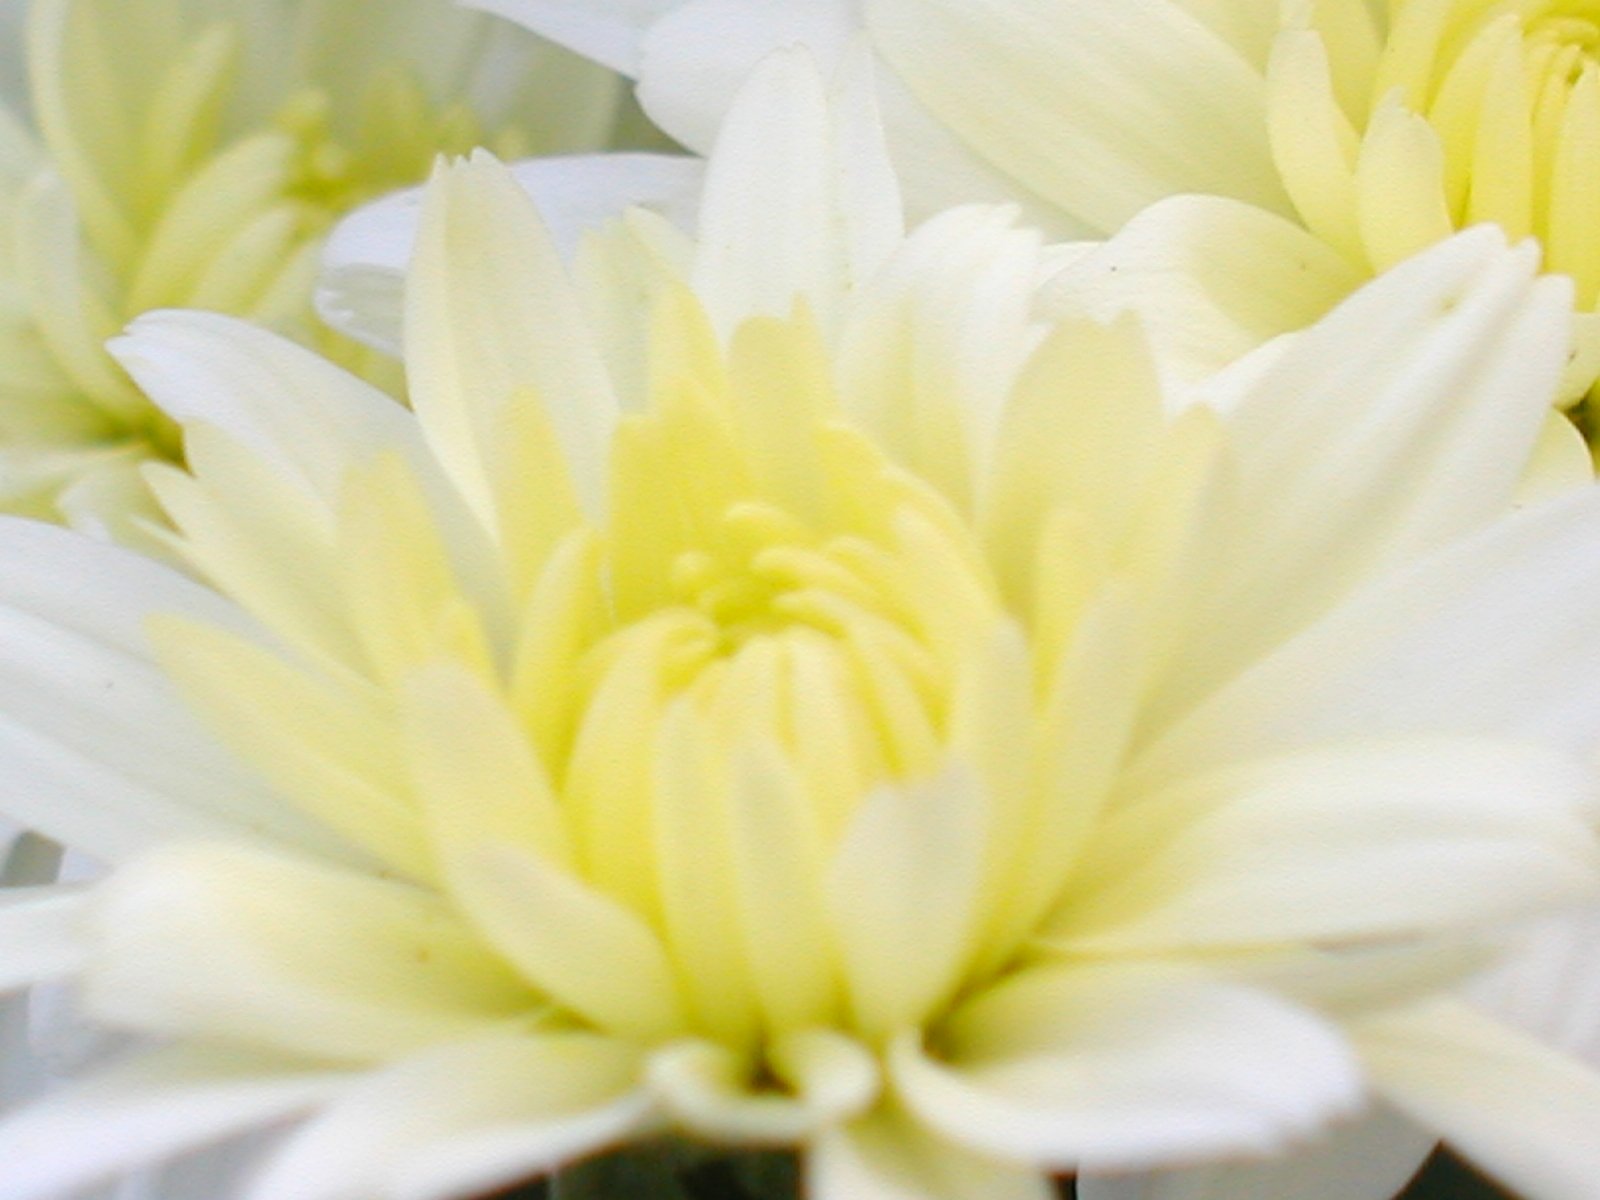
x: 266, y: 393
x: 589, y: 952
x: 464, y: 1119
x: 1495, y: 636
x: 800, y: 202
x: 1211, y: 278
x: 1120, y: 1068
x: 1372, y: 840
x: 888, y: 1157
x: 156, y: 1106
x: 827, y: 1079
x: 1104, y: 109
x: 491, y: 320
x: 904, y: 889
x: 1523, y: 1112
x: 1462, y: 349
x: 96, y: 749
x: 234, y: 944
x: 362, y: 289
x: 701, y: 53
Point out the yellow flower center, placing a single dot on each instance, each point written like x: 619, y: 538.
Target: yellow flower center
x: 803, y: 618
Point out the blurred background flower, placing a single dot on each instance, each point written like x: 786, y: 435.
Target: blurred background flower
x: 196, y: 153
x: 1374, y: 128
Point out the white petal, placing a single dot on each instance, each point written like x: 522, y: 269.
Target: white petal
x: 40, y: 934
x: 904, y: 889
x: 267, y: 394
x: 1211, y: 278
x: 888, y: 1157
x: 770, y: 222
x: 148, y: 1109
x: 1423, y: 435
x: 1117, y: 1068
x: 362, y: 289
x: 1548, y: 983
x: 1104, y: 109
x: 237, y: 945
x: 464, y: 1119
x: 933, y: 344
x: 608, y: 31
x: 1370, y: 1159
x: 96, y: 748
x: 827, y: 1079
x: 1372, y: 840
x: 1495, y: 636
x: 491, y: 316
x: 1522, y: 1112
x: 700, y: 54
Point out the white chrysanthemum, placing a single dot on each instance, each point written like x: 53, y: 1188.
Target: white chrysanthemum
x: 778, y: 690
x: 1377, y: 127
x: 195, y: 153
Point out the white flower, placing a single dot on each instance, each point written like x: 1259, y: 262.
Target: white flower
x: 196, y: 154
x: 1335, y: 137
x: 778, y: 688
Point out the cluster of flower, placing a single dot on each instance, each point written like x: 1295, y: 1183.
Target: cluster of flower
x: 968, y: 591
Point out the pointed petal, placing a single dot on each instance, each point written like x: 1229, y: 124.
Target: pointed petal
x: 1522, y: 1112
x: 464, y: 1119
x: 1374, y: 840
x: 151, y: 1108
x: 1118, y: 1068
x: 770, y: 223
x: 1105, y: 109
x: 826, y: 1080
x: 266, y: 393
x: 237, y: 945
x: 305, y: 420
x: 933, y: 343
x: 1211, y: 279
x: 96, y: 748
x: 491, y: 317
x: 1462, y: 349
x: 889, y: 1157
x: 475, y: 772
x: 904, y: 889
x: 589, y: 952
x: 362, y: 288
x: 1495, y: 636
